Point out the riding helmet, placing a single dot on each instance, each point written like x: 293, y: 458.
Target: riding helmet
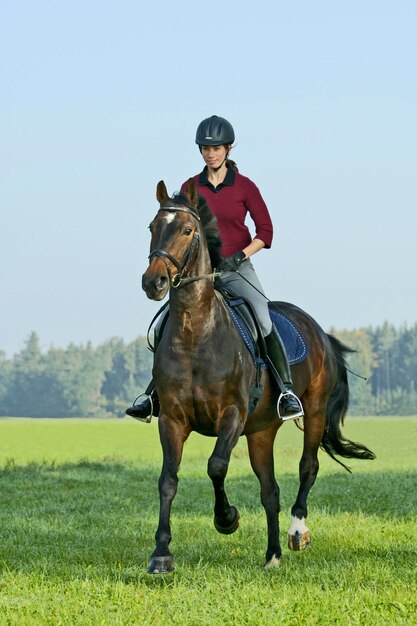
x: 214, y: 131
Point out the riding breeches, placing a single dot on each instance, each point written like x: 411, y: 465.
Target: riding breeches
x: 246, y: 284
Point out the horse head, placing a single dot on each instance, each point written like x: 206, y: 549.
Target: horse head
x: 174, y: 242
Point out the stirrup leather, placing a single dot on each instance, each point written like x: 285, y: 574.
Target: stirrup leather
x: 146, y: 420
x: 285, y: 418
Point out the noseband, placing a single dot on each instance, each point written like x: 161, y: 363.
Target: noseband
x: 175, y: 281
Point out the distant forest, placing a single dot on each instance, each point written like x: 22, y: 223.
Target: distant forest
x: 83, y: 381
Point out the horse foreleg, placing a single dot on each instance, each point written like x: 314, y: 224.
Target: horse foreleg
x: 172, y: 441
x: 226, y: 517
x: 299, y: 536
x: 260, y: 446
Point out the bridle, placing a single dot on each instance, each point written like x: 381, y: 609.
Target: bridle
x: 182, y: 267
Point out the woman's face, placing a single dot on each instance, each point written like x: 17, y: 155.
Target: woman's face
x: 214, y: 156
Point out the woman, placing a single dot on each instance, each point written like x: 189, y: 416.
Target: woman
x: 231, y: 197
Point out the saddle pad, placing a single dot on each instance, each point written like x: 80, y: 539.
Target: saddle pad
x: 294, y: 343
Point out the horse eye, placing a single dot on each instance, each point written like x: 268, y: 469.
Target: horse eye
x: 188, y: 231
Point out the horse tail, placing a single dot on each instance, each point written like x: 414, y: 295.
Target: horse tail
x: 333, y: 442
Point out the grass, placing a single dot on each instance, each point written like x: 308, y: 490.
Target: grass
x: 79, y: 509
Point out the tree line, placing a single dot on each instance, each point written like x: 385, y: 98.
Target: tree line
x: 80, y: 381
x: 87, y: 381
x: 387, y: 357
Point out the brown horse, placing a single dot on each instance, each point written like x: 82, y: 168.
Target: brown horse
x: 203, y: 374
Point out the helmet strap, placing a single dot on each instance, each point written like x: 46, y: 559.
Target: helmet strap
x: 216, y: 169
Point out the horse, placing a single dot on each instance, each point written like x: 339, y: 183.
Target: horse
x: 203, y: 374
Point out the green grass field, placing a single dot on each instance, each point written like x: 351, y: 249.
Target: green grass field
x: 79, y: 509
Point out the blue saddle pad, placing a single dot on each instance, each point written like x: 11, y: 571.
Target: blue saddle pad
x: 294, y: 343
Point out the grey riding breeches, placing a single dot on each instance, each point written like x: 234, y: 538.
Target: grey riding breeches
x: 246, y: 284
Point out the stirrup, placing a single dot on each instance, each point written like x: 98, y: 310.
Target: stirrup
x: 286, y: 418
x: 145, y: 420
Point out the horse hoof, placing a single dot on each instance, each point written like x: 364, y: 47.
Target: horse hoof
x: 273, y: 563
x: 299, y: 541
x: 228, y: 530
x: 161, y: 565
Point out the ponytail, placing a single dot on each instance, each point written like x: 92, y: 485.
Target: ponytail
x: 232, y: 164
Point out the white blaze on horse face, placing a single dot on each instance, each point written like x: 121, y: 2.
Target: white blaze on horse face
x: 169, y: 218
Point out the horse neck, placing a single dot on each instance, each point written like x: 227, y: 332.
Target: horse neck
x: 193, y: 305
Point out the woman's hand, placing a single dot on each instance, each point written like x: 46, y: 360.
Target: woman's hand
x: 232, y: 263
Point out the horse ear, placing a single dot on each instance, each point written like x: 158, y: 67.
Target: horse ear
x: 191, y: 191
x: 161, y: 193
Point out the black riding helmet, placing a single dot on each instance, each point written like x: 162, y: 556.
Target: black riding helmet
x: 214, y: 131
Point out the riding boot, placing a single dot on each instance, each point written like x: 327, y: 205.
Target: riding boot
x: 148, y: 407
x: 289, y: 406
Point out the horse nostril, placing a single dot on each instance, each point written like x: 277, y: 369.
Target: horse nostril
x: 161, y: 283
x: 154, y: 284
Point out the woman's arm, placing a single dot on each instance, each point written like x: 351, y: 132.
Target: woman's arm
x: 253, y: 247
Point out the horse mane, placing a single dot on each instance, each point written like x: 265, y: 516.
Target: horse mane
x: 208, y: 223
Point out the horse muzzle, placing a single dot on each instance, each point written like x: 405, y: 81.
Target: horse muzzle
x: 155, y: 284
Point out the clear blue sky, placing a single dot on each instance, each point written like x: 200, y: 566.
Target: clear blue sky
x: 100, y: 100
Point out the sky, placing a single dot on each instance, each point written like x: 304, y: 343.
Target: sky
x: 101, y: 100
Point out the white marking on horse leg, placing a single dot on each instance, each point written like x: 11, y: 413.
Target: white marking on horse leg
x: 298, y: 525
x: 274, y: 562
x: 299, y: 537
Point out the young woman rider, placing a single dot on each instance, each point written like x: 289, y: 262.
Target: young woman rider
x: 231, y: 197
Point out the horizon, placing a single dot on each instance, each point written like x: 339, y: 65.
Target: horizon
x: 44, y: 348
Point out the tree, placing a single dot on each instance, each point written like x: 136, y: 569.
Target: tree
x: 360, y: 364
x: 5, y: 368
x: 26, y: 385
x: 118, y: 376
x: 383, y: 339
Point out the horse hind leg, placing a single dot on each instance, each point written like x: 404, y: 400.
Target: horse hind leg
x: 226, y: 517
x: 299, y: 536
x: 260, y: 446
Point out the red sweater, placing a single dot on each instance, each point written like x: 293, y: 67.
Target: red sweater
x: 230, y: 202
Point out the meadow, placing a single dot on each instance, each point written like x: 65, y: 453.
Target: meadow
x: 79, y: 509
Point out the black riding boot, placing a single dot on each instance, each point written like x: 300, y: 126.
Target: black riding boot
x: 148, y: 407
x: 289, y: 406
